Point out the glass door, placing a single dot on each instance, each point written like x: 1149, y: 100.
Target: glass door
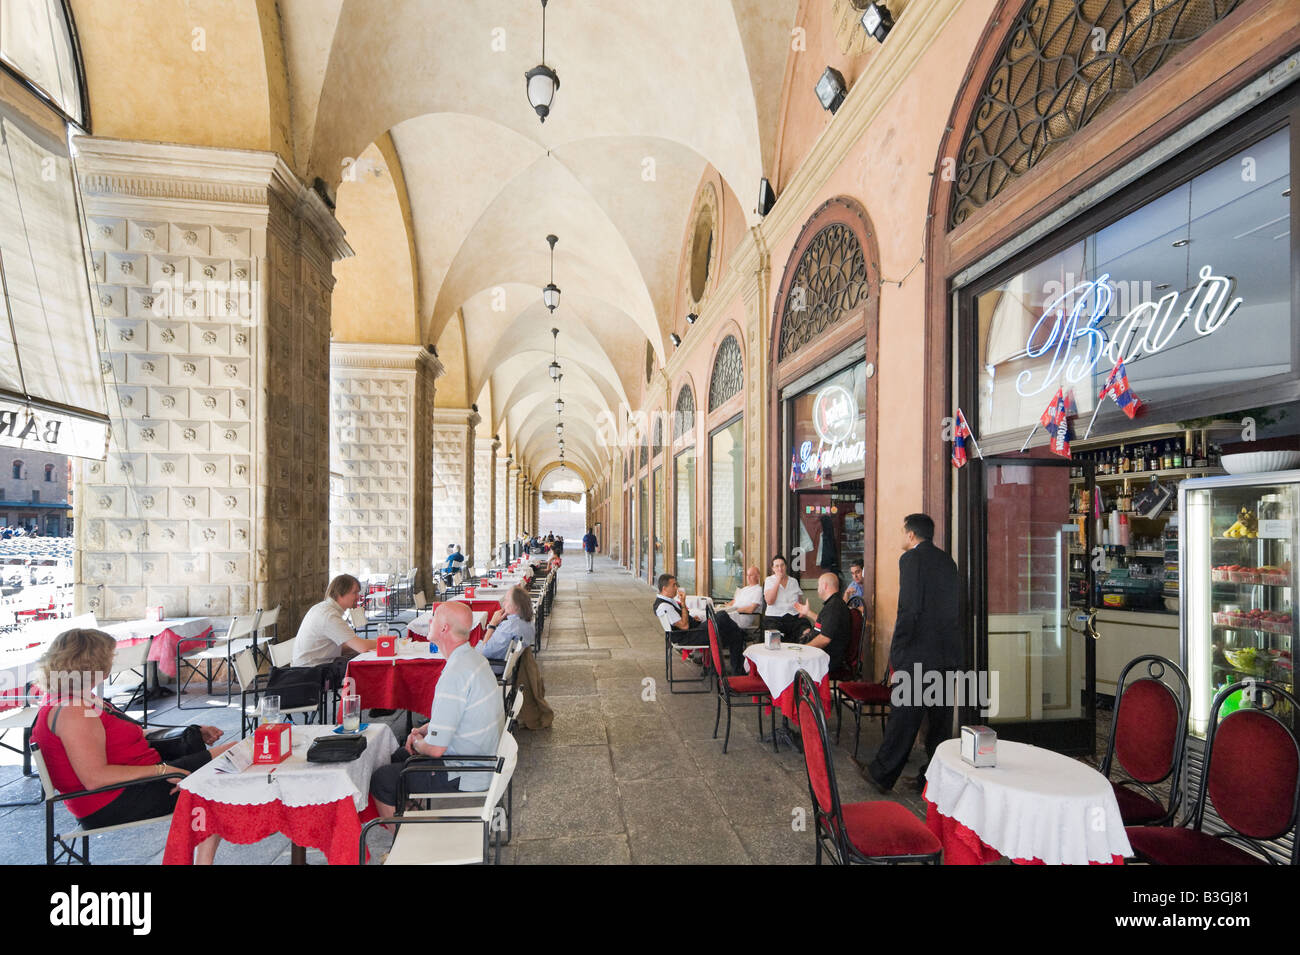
x: 1035, y: 650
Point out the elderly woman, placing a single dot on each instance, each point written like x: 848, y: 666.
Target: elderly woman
x: 514, y: 619
x: 88, y: 743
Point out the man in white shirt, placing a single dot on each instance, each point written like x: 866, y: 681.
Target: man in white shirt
x: 689, y: 627
x: 324, y: 631
x: 783, y: 595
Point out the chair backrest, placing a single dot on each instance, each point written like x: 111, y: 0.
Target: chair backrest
x: 508, y: 751
x: 512, y: 659
x: 714, y: 649
x: 357, y: 617
x: 282, y: 653
x: 242, y: 625
x: 270, y: 620
x: 817, y: 757
x: 857, y: 637
x: 513, y: 716
x: 47, y: 784
x: 1252, y: 760
x: 245, y: 667
x: 1149, y: 727
x: 420, y: 600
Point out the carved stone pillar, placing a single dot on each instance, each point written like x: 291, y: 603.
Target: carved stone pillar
x: 485, y: 450
x: 512, y: 501
x: 453, y: 481
x: 762, y: 507
x: 213, y: 273
x: 381, y: 397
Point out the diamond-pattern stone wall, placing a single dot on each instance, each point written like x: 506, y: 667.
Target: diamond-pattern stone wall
x: 453, y: 481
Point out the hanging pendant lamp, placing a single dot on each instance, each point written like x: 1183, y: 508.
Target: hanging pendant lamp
x: 541, y: 81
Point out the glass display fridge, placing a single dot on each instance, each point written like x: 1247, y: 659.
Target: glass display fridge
x: 1238, y: 587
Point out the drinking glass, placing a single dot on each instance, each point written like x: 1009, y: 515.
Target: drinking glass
x: 268, y: 709
x: 351, y: 714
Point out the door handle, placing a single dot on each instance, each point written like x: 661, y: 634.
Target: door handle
x: 1091, y: 626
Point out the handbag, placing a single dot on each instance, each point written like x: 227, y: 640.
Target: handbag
x: 336, y: 749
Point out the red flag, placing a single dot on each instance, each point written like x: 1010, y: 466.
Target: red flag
x: 960, y: 433
x: 1117, y: 387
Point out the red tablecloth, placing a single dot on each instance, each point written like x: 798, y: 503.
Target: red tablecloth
x: 163, y: 651
x: 334, y: 828
x: 961, y: 846
x: 407, y: 684
x: 479, y: 604
x: 787, y: 702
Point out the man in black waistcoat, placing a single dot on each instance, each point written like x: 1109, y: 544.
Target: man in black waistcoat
x: 927, y: 634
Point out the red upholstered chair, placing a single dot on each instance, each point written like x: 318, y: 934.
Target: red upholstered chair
x: 733, y: 691
x: 878, y: 832
x: 1147, y: 740
x: 1251, y: 775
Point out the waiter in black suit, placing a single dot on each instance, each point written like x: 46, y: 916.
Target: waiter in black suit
x: 927, y: 632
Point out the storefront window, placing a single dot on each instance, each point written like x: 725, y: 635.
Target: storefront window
x: 684, y: 482
x: 727, y: 508
x: 1192, y: 290
x: 828, y: 456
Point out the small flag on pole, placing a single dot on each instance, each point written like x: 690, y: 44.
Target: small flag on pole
x: 1118, y: 388
x: 1056, y: 421
x: 794, y: 472
x: 961, y: 432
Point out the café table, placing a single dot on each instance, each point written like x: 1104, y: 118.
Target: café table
x: 406, y: 681
x: 1034, y: 807
x: 190, y: 633
x: 317, y: 805
x: 778, y: 665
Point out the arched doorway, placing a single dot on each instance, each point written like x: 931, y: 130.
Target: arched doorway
x: 562, y: 506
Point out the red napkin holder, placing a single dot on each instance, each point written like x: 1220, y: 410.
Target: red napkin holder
x: 386, y: 646
x: 469, y: 592
x: 272, y: 743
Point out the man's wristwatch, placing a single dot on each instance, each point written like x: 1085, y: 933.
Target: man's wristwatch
x: 492, y: 626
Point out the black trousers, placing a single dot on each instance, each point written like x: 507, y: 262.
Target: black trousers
x: 792, y: 627
x: 733, y: 638
x: 901, y: 729
x: 385, y: 780
x: 145, y: 802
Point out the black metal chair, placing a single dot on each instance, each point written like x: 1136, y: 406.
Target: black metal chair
x: 878, y: 832
x: 1148, y: 737
x: 737, y: 691
x: 1251, y: 775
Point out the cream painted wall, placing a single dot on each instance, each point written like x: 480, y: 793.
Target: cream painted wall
x: 453, y: 388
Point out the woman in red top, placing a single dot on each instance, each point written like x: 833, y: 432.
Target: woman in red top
x: 87, y: 744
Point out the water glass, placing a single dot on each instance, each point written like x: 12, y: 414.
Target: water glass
x: 268, y: 709
x: 351, y: 713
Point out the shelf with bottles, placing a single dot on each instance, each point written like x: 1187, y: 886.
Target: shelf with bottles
x: 1160, y: 451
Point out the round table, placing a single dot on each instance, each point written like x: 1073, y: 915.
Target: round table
x: 1034, y: 806
x: 777, y: 667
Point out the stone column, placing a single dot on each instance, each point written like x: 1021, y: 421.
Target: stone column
x: 762, y: 507
x: 381, y: 397
x: 453, y: 481
x: 213, y: 272
x: 485, y: 450
x: 501, y: 511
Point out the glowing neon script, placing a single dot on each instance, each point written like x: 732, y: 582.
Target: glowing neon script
x: 1077, y: 343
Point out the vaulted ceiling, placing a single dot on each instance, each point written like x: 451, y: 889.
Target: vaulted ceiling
x: 414, y: 113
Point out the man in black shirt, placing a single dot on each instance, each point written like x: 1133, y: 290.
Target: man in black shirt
x: 833, y: 627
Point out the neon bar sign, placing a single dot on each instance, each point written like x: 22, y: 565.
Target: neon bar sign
x: 1076, y: 341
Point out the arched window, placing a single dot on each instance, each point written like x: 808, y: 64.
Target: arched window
x: 18, y: 470
x: 829, y: 282
x: 1064, y: 63
x: 49, y: 472
x: 728, y: 373
x: 684, y: 414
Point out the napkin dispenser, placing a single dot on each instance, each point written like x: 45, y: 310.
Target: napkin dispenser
x: 154, y: 614
x: 272, y: 743
x: 771, y: 638
x: 469, y: 593
x: 979, y: 746
x: 386, y: 646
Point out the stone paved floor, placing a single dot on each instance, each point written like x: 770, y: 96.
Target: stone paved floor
x: 625, y: 775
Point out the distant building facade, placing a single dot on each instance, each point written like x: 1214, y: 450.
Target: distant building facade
x: 34, y: 492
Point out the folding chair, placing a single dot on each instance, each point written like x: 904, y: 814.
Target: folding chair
x: 223, y: 649
x: 269, y: 620
x: 282, y: 653
x: 452, y: 836
x: 684, y: 642
x: 360, y: 623
x: 252, y: 683
x: 21, y: 717
x: 133, y: 659
x: 60, y: 844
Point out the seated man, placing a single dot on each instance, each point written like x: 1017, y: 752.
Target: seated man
x: 324, y: 631
x: 833, y: 628
x: 783, y: 597
x: 455, y: 562
x: 853, y: 593
x: 747, y: 602
x: 687, y: 628
x: 514, y: 619
x: 466, y: 717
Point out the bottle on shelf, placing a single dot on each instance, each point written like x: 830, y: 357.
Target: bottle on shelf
x: 1178, y: 452
x: 1125, y: 461
x: 1167, y: 457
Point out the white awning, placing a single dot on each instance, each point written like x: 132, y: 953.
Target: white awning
x: 51, y: 392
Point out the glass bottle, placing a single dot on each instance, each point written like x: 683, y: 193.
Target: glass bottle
x: 1166, y: 457
x: 1179, y: 456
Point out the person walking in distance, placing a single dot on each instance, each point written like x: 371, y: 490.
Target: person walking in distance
x: 927, y: 637
x: 589, y: 547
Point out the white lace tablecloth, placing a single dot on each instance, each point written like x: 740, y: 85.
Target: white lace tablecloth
x: 296, y: 782
x: 424, y: 618
x: 778, y: 666
x: 1034, y: 804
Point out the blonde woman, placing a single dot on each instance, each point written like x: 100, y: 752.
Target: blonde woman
x: 88, y: 743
